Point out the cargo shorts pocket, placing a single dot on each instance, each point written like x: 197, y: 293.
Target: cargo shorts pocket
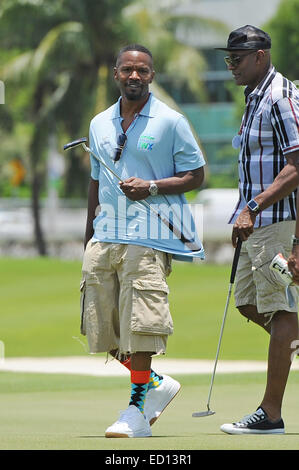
x: 263, y: 276
x: 150, y: 308
x: 82, y: 300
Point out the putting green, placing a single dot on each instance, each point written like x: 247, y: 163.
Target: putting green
x: 40, y: 312
x: 40, y: 411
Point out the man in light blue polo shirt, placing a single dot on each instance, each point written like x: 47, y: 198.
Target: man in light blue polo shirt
x: 141, y: 221
x: 158, y: 145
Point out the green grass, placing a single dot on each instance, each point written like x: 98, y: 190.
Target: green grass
x: 40, y: 317
x: 49, y: 412
x: 40, y: 311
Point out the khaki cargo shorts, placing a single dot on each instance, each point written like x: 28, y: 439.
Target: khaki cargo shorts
x: 255, y: 283
x: 124, y: 298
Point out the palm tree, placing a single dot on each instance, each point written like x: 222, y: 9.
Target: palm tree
x: 163, y: 29
x: 66, y: 50
x: 59, y: 62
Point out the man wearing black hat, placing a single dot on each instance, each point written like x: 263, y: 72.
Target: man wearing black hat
x: 264, y: 218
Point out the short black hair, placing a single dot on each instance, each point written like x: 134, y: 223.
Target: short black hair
x: 133, y: 47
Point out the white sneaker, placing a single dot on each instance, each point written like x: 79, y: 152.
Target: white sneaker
x: 131, y: 423
x: 158, y: 398
x: 256, y: 423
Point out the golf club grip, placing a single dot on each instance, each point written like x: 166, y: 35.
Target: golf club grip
x: 235, y: 260
x: 75, y: 143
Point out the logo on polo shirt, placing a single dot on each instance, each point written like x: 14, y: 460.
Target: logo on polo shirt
x: 146, y: 143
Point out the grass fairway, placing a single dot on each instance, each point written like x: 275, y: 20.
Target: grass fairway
x: 40, y: 317
x: 40, y: 311
x: 56, y: 412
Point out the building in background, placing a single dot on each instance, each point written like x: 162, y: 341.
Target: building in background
x: 215, y: 118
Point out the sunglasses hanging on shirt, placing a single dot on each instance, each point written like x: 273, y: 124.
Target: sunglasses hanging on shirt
x: 121, y: 142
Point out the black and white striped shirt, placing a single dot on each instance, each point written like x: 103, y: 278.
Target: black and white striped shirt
x: 269, y: 132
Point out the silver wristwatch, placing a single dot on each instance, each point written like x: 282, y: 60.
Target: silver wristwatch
x: 153, y: 188
x: 253, y: 206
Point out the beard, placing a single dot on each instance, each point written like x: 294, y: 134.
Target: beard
x: 135, y: 92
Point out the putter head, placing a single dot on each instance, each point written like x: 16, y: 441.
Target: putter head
x: 83, y: 140
x: 201, y: 414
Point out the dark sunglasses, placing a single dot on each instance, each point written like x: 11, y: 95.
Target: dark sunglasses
x: 121, y: 142
x: 236, y: 60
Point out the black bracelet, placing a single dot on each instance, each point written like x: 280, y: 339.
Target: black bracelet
x: 295, y: 240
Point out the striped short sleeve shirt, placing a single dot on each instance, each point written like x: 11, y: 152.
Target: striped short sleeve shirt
x: 268, y: 133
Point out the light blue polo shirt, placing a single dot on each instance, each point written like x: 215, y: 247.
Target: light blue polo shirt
x: 159, y: 144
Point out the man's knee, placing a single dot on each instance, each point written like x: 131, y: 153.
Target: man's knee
x: 285, y: 321
x: 248, y: 311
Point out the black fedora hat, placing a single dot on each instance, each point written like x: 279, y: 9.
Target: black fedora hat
x: 247, y: 37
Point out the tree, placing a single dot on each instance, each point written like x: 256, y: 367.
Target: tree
x: 62, y: 47
x: 283, y: 29
x: 62, y: 54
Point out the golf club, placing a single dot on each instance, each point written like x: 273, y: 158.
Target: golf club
x: 189, y: 243
x: 209, y: 412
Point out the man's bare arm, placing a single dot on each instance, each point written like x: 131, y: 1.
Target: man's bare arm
x: 93, y: 202
x: 285, y: 182
x: 137, y: 188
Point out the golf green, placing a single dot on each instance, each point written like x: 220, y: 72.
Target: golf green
x: 61, y: 412
x: 40, y: 311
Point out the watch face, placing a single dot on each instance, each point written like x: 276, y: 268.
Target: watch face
x: 253, y: 205
x: 153, y: 189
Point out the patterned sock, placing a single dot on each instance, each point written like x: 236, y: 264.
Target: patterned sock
x: 139, y: 386
x: 155, y: 379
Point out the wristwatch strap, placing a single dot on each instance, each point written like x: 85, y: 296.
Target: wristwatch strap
x: 295, y: 240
